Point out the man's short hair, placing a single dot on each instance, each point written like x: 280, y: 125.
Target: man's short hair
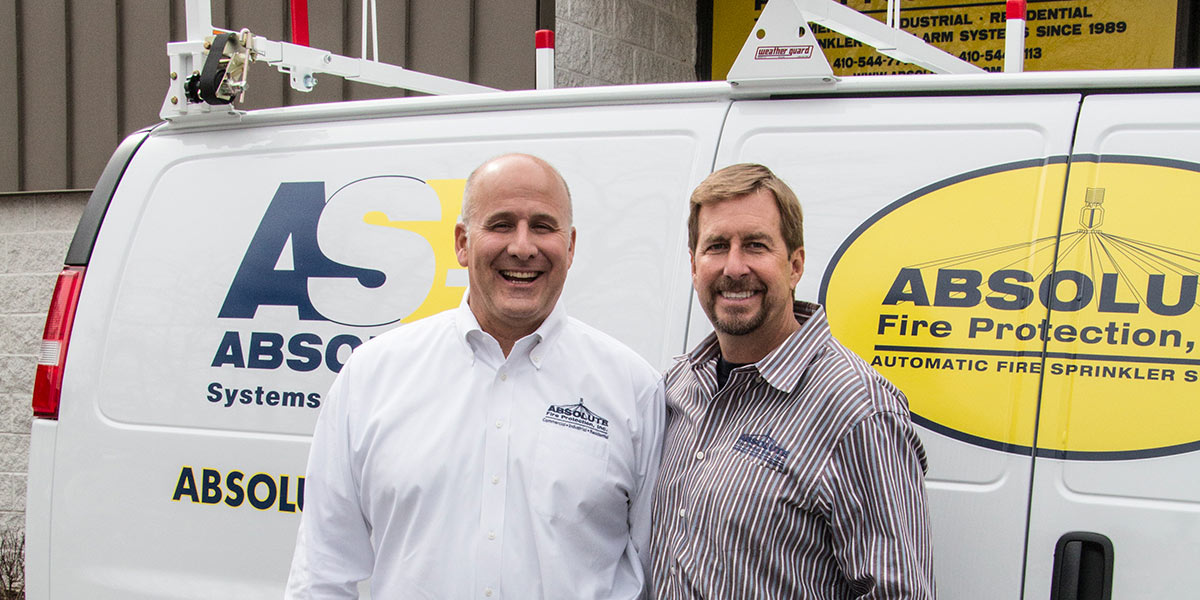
x: 468, y: 208
x: 740, y: 180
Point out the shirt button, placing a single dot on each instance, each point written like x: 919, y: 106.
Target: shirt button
x: 699, y: 455
x: 487, y: 592
x: 504, y: 377
x: 491, y: 535
x: 495, y: 479
x: 683, y: 513
x: 499, y: 424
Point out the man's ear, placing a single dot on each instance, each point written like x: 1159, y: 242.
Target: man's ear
x: 571, y: 248
x: 460, y: 243
x: 797, y: 264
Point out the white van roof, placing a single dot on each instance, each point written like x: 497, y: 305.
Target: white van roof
x: 939, y: 84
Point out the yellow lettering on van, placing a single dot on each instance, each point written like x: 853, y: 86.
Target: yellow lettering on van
x: 450, y: 279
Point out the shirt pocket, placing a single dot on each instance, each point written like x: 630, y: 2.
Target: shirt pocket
x: 570, y: 478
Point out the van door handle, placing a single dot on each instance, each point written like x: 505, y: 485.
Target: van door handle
x: 1083, y: 567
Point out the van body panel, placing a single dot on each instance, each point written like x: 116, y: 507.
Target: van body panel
x: 1117, y: 443
x: 39, y: 494
x: 236, y: 270
x: 233, y: 266
x: 856, y: 161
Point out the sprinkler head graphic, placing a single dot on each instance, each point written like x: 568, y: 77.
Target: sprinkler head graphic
x: 1091, y: 216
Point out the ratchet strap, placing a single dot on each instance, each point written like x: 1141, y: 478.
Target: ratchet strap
x: 212, y: 74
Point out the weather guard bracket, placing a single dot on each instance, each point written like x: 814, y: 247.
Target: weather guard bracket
x: 782, y: 50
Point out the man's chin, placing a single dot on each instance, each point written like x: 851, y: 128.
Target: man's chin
x: 740, y: 325
x: 523, y: 311
x: 736, y: 329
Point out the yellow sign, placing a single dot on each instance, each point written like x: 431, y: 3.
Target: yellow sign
x: 1060, y: 35
x: 972, y: 299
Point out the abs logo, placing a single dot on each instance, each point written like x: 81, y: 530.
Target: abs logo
x: 1038, y: 304
x: 378, y: 251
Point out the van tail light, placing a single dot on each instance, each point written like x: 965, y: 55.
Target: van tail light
x: 47, y: 387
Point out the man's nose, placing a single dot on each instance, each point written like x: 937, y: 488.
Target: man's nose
x: 735, y: 263
x: 521, y: 245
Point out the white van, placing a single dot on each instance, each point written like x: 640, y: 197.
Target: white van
x: 1017, y: 253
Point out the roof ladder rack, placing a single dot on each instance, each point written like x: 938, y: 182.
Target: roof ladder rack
x: 208, y: 71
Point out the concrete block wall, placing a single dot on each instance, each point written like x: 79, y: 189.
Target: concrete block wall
x: 605, y: 42
x: 35, y: 230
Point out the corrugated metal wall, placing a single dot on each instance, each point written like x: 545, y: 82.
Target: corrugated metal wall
x: 76, y: 76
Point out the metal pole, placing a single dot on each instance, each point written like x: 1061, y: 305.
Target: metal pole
x: 544, y: 59
x: 300, y: 22
x: 365, y: 6
x: 199, y: 19
x: 1014, y: 37
x: 374, y: 31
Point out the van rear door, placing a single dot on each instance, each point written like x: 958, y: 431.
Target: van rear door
x: 237, y: 268
x: 924, y: 217
x: 1115, y: 492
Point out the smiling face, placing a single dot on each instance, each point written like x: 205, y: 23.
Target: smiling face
x: 744, y: 274
x: 517, y: 244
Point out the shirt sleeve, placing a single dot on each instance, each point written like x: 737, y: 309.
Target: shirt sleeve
x: 879, y: 520
x: 652, y: 415
x: 333, y: 547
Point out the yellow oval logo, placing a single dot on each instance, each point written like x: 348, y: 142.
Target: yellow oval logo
x: 1015, y: 315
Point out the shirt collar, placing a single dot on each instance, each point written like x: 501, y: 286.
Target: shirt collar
x: 532, y: 347
x: 784, y: 366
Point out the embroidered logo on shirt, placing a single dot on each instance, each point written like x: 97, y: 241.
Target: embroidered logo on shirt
x: 577, y: 416
x: 764, y: 448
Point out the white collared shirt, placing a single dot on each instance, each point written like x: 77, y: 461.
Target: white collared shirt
x: 441, y: 469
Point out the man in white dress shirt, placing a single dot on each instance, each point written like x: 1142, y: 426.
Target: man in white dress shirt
x: 499, y: 450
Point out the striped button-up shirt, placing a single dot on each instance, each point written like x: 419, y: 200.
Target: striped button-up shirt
x: 801, y: 478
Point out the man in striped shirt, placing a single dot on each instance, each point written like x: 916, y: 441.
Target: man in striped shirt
x: 790, y: 469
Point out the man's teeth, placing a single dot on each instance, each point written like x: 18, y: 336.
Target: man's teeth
x: 736, y: 295
x: 520, y: 274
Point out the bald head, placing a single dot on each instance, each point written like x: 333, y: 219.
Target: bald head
x: 505, y: 166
